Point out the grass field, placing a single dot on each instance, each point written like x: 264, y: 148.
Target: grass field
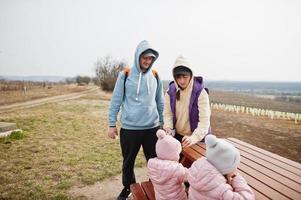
x: 65, y: 144
x: 9, y: 97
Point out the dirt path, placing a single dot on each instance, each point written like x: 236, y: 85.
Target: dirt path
x: 37, y: 102
x: 107, y: 189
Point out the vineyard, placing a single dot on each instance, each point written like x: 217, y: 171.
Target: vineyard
x: 257, y: 112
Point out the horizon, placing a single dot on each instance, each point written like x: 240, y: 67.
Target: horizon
x: 221, y: 40
x: 207, y: 80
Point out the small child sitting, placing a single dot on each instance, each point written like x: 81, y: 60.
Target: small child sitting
x: 165, y: 171
x: 216, y: 176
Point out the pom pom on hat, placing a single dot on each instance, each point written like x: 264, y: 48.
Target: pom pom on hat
x: 211, y: 141
x: 161, y: 134
x: 221, y: 154
x: 167, y: 147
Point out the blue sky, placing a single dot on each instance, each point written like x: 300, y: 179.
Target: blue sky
x: 257, y: 40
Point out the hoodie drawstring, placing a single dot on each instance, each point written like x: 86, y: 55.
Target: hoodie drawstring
x: 138, y: 88
x: 147, y: 84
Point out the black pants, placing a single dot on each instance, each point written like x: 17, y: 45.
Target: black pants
x: 130, y: 142
x: 179, y: 137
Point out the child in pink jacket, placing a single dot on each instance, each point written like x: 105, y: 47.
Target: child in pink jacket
x: 165, y: 171
x: 216, y: 176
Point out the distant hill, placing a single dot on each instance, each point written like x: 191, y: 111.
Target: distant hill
x: 35, y: 78
x: 252, y: 87
x: 256, y: 86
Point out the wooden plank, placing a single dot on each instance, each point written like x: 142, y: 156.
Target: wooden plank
x: 137, y: 192
x: 242, y: 168
x: 253, y: 183
x: 279, y: 189
x: 190, y: 154
x: 148, y: 189
x: 269, y: 159
x: 268, y: 164
x: 186, y: 162
x: 262, y: 188
x: 200, y: 148
x: 271, y: 174
x: 292, y: 189
x: 293, y: 183
x: 267, y: 153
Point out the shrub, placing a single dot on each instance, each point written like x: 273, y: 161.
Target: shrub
x: 107, y: 70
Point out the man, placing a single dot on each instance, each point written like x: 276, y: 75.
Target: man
x: 140, y: 94
x: 187, y: 109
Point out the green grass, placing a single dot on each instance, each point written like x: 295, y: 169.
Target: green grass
x: 15, y: 135
x: 62, y: 145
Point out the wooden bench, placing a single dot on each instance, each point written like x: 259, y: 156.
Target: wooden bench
x: 269, y: 175
x: 143, y: 191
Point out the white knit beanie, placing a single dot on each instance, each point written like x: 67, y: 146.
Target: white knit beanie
x: 221, y: 154
x: 167, y: 147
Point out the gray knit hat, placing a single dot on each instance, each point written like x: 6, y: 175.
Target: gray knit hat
x: 221, y: 154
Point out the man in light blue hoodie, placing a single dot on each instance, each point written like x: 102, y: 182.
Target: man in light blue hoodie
x: 139, y: 94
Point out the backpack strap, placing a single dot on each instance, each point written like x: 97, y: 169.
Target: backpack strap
x: 127, y: 71
x: 207, y: 90
x: 155, y: 73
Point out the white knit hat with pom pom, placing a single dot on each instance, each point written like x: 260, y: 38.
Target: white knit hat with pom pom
x: 167, y: 147
x: 221, y: 154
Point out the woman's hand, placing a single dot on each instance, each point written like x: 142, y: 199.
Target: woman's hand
x: 168, y: 130
x: 186, y: 141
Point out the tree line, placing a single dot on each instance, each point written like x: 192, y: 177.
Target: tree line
x: 106, y: 73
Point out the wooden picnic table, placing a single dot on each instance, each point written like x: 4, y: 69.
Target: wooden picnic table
x: 269, y: 175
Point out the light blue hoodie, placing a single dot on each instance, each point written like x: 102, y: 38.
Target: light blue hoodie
x: 143, y: 102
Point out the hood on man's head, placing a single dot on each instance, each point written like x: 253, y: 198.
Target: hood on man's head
x: 142, y: 47
x: 148, y: 53
x: 145, y: 47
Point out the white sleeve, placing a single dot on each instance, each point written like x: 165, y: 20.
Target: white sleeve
x: 204, y: 117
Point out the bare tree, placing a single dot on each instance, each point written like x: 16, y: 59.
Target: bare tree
x: 82, y: 80
x: 107, y: 69
x: 70, y: 80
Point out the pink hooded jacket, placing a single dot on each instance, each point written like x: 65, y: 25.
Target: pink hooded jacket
x: 167, y: 177
x: 207, y: 183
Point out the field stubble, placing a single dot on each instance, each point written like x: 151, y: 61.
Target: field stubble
x: 66, y: 145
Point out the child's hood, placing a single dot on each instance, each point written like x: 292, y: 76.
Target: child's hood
x: 203, y: 176
x: 162, y: 171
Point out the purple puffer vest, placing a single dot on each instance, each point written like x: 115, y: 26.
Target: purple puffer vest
x: 198, y: 86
